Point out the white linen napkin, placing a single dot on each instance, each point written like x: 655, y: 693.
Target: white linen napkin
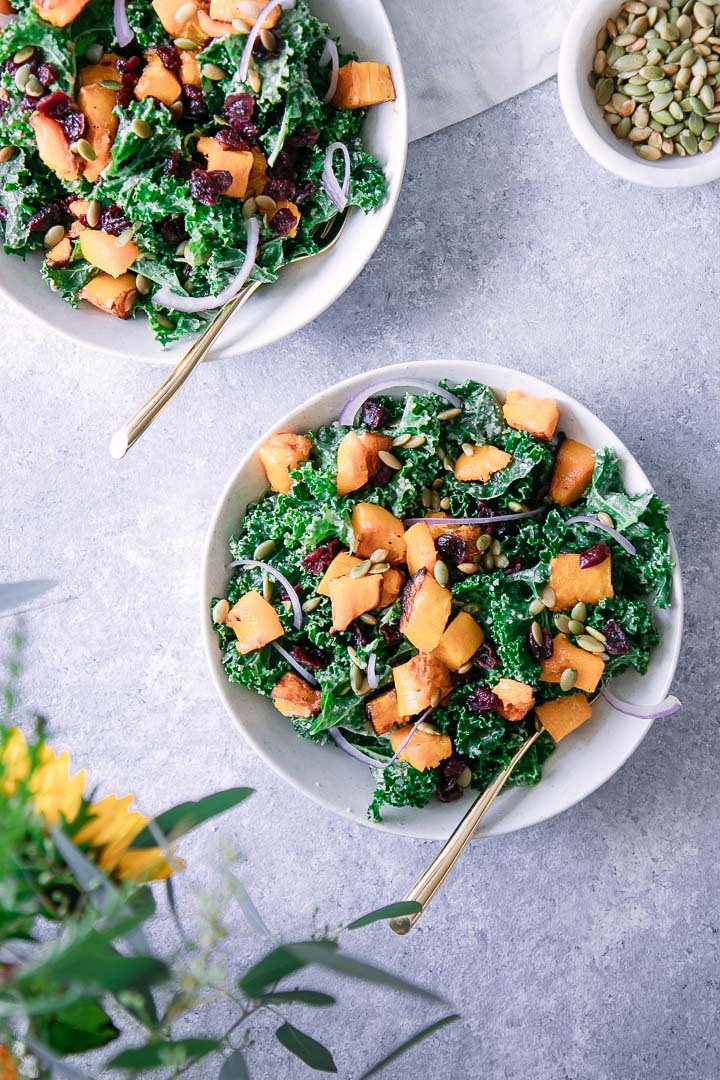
x: 462, y: 56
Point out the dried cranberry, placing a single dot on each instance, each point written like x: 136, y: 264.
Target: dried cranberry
x: 3, y: 107
x: 126, y: 93
x: 46, y: 74
x: 73, y: 124
x: 486, y: 657
x: 360, y: 634
x: 544, y: 651
x: 274, y: 46
x: 514, y: 565
x: 170, y: 165
x: 453, y: 768
x: 238, y: 108
x: 593, y: 556
x: 55, y: 213
x: 227, y: 136
x: 193, y: 103
x: 318, y: 560
x: 170, y: 57
x: 3, y: 214
x: 372, y: 414
x: 113, y: 221
x: 446, y: 792
x: 130, y: 65
x: 391, y: 634
x: 173, y: 231
x: 54, y: 105
x: 617, y: 640
x: 303, y: 136
x: 383, y: 476
x: 484, y: 509
x: 451, y: 547
x: 309, y: 657
x: 206, y: 186
x: 278, y: 188
x: 305, y: 190
x: 482, y: 699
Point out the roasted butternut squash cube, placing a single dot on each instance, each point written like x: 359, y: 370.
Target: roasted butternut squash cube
x: 279, y: 454
x: 341, y: 566
x: 424, y: 750
x: 357, y: 459
x: 258, y: 173
x: 363, y: 83
x: 254, y: 622
x: 426, y: 607
x: 96, y: 73
x: 245, y: 11
x: 469, y: 534
x: 515, y: 699
x: 78, y: 207
x: 5, y: 7
x: 238, y: 163
x: 59, y: 12
x: 572, y: 472
x: 538, y: 416
x: 589, y: 666
x: 213, y: 28
x: 292, y: 696
x: 157, y: 82
x: 53, y: 147
x: 420, y: 548
x: 485, y: 461
x: 115, y: 295
x: 382, y: 712
x: 416, y: 682
x: 572, y: 585
x: 392, y: 585
x: 59, y: 255
x: 101, y: 250
x: 461, y: 640
x: 96, y: 104
x: 189, y: 69
x: 352, y: 597
x: 374, y: 527
x: 566, y: 714
x: 167, y: 12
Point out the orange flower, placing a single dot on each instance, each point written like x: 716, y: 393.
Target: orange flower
x: 7, y: 1064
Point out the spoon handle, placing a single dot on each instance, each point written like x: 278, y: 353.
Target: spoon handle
x: 432, y: 878
x: 128, y: 435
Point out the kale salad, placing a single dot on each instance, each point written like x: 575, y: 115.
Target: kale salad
x: 433, y: 575
x: 164, y: 154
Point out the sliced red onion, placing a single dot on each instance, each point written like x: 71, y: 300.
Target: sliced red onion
x: 371, y: 673
x: 350, y: 408
x: 293, y: 663
x: 123, y: 31
x: 255, y: 31
x: 5, y: 20
x: 670, y: 705
x: 348, y: 747
x: 330, y: 56
x: 588, y: 519
x: 165, y: 297
x: 335, y: 193
x: 477, y: 520
x: 289, y: 589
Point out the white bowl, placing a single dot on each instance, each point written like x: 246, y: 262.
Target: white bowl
x: 585, y: 116
x: 302, y: 292
x: 582, y: 762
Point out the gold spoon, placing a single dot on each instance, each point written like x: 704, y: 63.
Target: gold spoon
x: 432, y: 878
x: 328, y: 234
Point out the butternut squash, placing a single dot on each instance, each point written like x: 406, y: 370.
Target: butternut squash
x: 254, y: 622
x: 157, y: 82
x: 258, y: 174
x: 245, y: 11
x: 460, y: 641
x: 392, y: 585
x: 213, y: 28
x: 189, y: 69
x: 566, y: 714
x: 374, y: 527
x: 96, y: 73
x: 363, y: 83
x: 115, y: 295
x: 59, y: 255
x: 426, y: 607
x: 101, y: 250
x: 341, y: 566
x: 420, y: 548
x: 352, y: 597
x: 485, y: 461
x: 572, y: 472
x: 78, y: 207
x: 53, y: 147
x: 168, y: 11
x: 572, y: 585
x: 59, y: 12
x: 382, y: 712
x: 237, y: 162
x: 589, y: 666
x: 5, y: 7
x: 279, y: 454
x: 96, y: 104
x: 469, y: 534
x: 292, y: 696
x: 416, y: 682
x: 357, y: 459
x: 538, y: 416
x: 515, y: 699
x: 424, y: 750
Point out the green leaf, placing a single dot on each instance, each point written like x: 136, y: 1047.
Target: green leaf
x: 297, y: 997
x: 412, y: 1041
x: 82, y: 1026
x: 358, y: 969
x: 390, y: 911
x: 184, y: 817
x: 93, y: 963
x: 309, y: 1050
x: 163, y: 1055
x: 234, y: 1067
x: 282, y: 962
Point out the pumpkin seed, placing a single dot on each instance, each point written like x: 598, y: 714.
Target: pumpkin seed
x: 264, y: 549
x: 6, y: 153
x: 400, y: 440
x: 265, y: 203
x: 92, y: 213
x: 468, y: 449
x: 449, y: 414
x: 597, y: 634
x: 360, y: 569
x: 696, y: 124
x: 445, y: 503
x: 184, y: 43
x: 688, y: 142
x: 267, y: 588
x: 567, y: 679
x: 84, y: 150
x: 682, y: 54
x: 426, y: 498
x: 676, y: 111
x: 162, y: 320
x: 704, y: 16
x: 639, y: 135
x: 254, y: 81
x: 220, y: 612
x: 547, y: 595
x: 141, y: 128
x: 707, y: 96
x: 704, y: 145
x: 628, y: 62
x: 659, y: 103
x: 562, y: 623
x: 356, y: 679
x: 313, y: 603
x: 441, y: 572
x: 622, y: 128
x: 660, y: 86
x: 589, y: 644
x: 579, y: 612
x: 53, y: 236
x: 212, y: 72
x: 516, y: 507
x: 23, y: 54
x: 416, y: 441
x: 603, y: 90
x: 143, y: 284
x: 379, y: 567
x: 463, y: 670
x: 438, y: 483
x: 537, y: 632
x: 435, y: 701
x: 537, y: 607
x: 110, y: 84
x: 651, y: 71
x: 249, y: 208
x: 471, y: 568
x: 684, y: 25
x: 368, y: 619
x: 575, y: 626
x: 601, y: 60
x: 449, y: 464
x: 24, y: 72
x: 379, y: 555
x: 623, y: 40
x: 502, y: 562
x: 389, y: 459
x: 495, y: 547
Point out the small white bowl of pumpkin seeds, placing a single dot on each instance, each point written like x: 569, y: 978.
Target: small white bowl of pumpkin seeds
x: 640, y: 86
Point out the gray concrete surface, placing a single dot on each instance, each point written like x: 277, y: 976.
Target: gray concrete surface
x: 584, y: 949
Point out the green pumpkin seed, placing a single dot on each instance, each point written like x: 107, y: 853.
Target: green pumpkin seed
x: 264, y: 549
x: 360, y: 569
x: 356, y: 680
x: 641, y: 117
x: 689, y: 143
x: 708, y: 133
x: 449, y: 414
x: 537, y: 632
x: 483, y: 542
x: 670, y: 32
x: 704, y: 145
x: 675, y: 110
x: 602, y: 38
x: 674, y: 129
x: 696, y: 124
x: 664, y: 117
x: 562, y: 623
x: 660, y: 103
x: 23, y: 73
x: 678, y: 54
x: 547, y: 595
x: 704, y: 16
x: 162, y: 320
x: 389, y: 459
x: 141, y: 128
x: 599, y: 62
x: 697, y: 106
x: 212, y: 72
x: 623, y: 127
x: 516, y: 507
x: 23, y: 54
x: 660, y: 86
x: 495, y: 547
x: 679, y: 150
x: 684, y: 25
x: 465, y: 778
x: 445, y: 503
x: 379, y: 555
x: 53, y: 236
x: 606, y: 519
x: 652, y: 15
x: 313, y: 603
x: 713, y: 118
x: 441, y: 573
x: 613, y: 54
x: 597, y: 634
x: 368, y: 619
x: 488, y: 561
x: 400, y: 440
x: 143, y: 285
x: 110, y: 84
x: 579, y: 612
x: 589, y: 644
x: 267, y: 588
x: 93, y: 53
x: 379, y: 567
x: 707, y: 96
x: 220, y: 612
x: 125, y: 236
x: 567, y: 679
x: 502, y: 562
x: 185, y: 43
x: 84, y: 150
x: 623, y: 40
x: 576, y: 627
x: 629, y: 62
x: 536, y: 608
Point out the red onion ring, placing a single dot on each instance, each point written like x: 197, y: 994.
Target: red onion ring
x: 293, y: 663
x: 343, y: 743
x: 330, y: 56
x: 670, y: 705
x: 5, y: 20
x: 351, y: 407
x: 256, y: 28
x: 290, y: 590
x: 371, y: 672
x: 165, y: 297
x: 587, y: 519
x: 335, y: 193
x: 477, y: 520
x: 123, y: 31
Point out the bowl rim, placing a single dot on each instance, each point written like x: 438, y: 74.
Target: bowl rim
x: 483, y: 372
x: 153, y: 355
x: 687, y: 172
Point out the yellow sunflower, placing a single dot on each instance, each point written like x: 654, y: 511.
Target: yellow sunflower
x: 110, y: 829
